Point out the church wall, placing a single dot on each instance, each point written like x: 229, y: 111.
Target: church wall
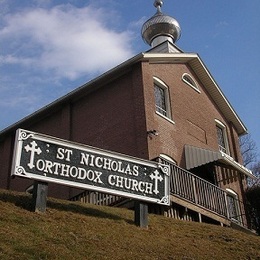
x: 193, y: 116
x: 193, y: 113
x: 111, y: 117
x: 5, y: 162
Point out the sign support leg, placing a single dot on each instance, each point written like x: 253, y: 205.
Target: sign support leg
x: 141, y: 214
x: 40, y: 191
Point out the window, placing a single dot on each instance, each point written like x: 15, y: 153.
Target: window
x: 222, y: 137
x: 233, y: 205
x: 162, y: 101
x: 187, y: 78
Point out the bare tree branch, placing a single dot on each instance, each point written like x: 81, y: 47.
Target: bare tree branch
x: 248, y: 149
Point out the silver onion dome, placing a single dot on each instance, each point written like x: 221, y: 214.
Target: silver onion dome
x: 160, y: 26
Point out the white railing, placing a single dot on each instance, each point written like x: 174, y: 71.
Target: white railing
x: 198, y: 191
x: 183, y: 184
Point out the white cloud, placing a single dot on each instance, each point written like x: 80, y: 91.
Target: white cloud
x: 42, y: 47
x: 64, y: 40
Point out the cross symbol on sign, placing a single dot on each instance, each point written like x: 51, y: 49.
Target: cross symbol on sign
x: 157, y: 177
x: 33, y: 150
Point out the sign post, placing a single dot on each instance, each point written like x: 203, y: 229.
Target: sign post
x: 48, y: 159
x: 141, y: 214
x: 40, y: 191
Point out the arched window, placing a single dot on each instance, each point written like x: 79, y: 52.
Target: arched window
x: 187, y: 78
x: 166, y: 159
x: 222, y: 137
x: 233, y: 206
x: 162, y: 98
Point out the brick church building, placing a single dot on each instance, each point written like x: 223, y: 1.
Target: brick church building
x: 161, y: 105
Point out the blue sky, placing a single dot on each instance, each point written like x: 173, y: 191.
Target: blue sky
x: 50, y: 47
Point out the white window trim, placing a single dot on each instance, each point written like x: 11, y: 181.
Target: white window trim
x: 235, y: 196
x: 165, y: 117
x: 194, y: 85
x: 161, y: 84
x: 231, y: 192
x: 224, y: 128
x: 167, y: 158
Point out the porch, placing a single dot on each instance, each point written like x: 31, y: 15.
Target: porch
x: 202, y: 200
x: 192, y: 198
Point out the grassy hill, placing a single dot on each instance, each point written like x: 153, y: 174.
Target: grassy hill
x: 82, y: 231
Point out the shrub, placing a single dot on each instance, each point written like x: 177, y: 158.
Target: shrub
x: 253, y: 197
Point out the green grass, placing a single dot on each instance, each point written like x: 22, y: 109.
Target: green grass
x: 83, y: 231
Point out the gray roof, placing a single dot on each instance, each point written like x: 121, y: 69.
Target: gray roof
x: 196, y: 157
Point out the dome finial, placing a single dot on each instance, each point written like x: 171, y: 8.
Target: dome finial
x: 160, y: 27
x: 158, y: 4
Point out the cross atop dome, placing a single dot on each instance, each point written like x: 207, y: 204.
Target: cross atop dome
x: 160, y: 27
x: 158, y: 4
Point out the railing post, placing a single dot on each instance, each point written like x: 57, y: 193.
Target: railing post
x: 195, y: 190
x: 226, y: 202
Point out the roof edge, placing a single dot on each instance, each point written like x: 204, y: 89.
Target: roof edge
x: 223, y: 96
x: 70, y: 95
x: 193, y: 59
x: 199, y: 67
